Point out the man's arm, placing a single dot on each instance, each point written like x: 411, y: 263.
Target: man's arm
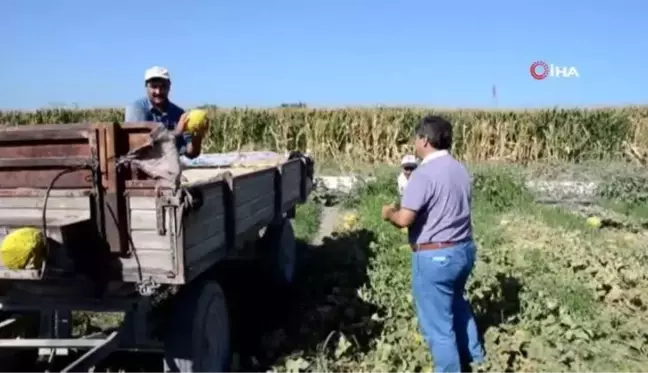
x: 135, y: 113
x: 398, y: 216
x: 415, y: 196
x: 194, y: 145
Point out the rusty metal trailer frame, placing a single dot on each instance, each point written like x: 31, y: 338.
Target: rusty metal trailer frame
x: 84, y: 159
x: 55, y: 331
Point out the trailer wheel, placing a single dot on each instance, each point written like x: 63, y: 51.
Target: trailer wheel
x: 198, y: 338
x: 279, y: 250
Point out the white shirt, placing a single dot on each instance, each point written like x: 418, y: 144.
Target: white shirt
x: 402, y: 183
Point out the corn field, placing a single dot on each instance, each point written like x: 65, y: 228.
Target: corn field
x: 382, y: 135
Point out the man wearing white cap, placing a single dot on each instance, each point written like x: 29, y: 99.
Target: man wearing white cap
x: 156, y: 107
x: 408, y: 164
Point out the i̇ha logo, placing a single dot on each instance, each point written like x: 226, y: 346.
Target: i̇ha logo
x: 541, y: 70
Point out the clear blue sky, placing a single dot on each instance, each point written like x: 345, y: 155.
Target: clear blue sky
x: 324, y: 53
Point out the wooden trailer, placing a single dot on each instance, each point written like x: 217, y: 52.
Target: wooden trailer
x: 118, y: 238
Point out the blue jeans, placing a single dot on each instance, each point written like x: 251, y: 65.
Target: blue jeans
x: 444, y: 314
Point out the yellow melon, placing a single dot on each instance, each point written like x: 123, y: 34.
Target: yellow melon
x: 23, y: 248
x: 594, y: 222
x: 197, y: 121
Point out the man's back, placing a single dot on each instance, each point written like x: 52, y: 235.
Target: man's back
x: 444, y: 214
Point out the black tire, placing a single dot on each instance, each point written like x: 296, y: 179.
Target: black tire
x: 278, y: 252
x: 198, y: 337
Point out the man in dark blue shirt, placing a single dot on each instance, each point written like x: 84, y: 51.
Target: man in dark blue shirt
x: 156, y: 107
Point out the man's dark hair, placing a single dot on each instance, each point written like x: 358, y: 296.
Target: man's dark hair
x: 437, y: 130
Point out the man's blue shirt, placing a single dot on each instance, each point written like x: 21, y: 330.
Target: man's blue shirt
x: 143, y: 110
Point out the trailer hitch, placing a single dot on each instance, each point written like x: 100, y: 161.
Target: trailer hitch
x: 147, y: 287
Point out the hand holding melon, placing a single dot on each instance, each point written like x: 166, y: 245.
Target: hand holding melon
x: 195, y: 122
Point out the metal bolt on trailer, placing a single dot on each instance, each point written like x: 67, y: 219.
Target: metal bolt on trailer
x: 127, y: 232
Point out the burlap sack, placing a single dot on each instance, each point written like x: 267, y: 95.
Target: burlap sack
x: 159, y: 158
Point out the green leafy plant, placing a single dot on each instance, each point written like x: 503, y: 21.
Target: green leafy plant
x: 547, y: 297
x: 632, y: 189
x: 499, y: 189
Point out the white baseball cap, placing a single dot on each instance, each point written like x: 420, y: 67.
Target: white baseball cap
x: 409, y: 160
x: 156, y: 72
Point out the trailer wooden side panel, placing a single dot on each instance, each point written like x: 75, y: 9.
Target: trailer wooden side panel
x: 27, y: 210
x: 228, y: 211
x: 292, y: 174
x: 233, y: 207
x: 152, y: 253
x: 204, y: 228
x: 253, y: 200
x: 62, y: 227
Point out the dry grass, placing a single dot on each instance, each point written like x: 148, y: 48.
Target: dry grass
x: 382, y: 135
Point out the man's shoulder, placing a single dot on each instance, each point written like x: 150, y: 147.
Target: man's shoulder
x: 421, y: 176
x: 141, y: 103
x: 456, y: 164
x: 443, y: 161
x: 442, y: 167
x: 448, y: 169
